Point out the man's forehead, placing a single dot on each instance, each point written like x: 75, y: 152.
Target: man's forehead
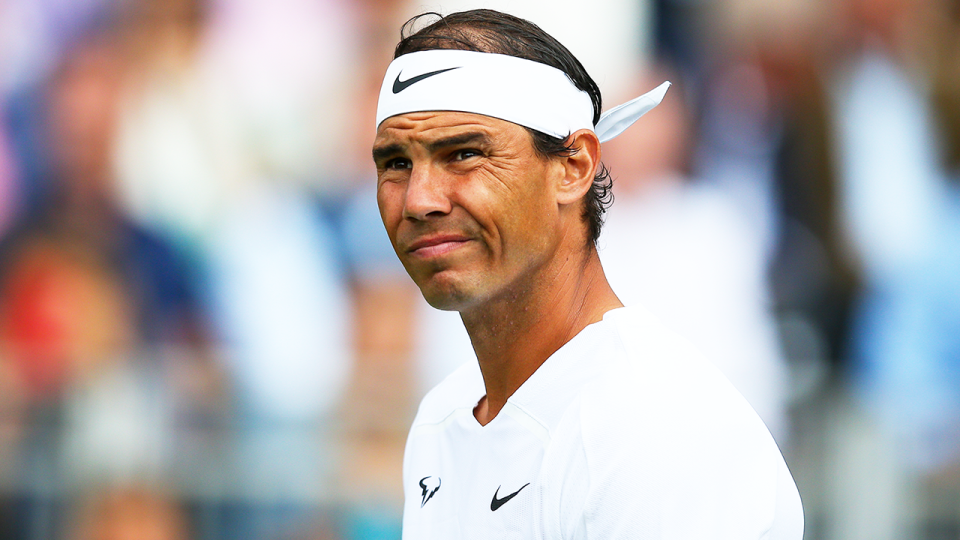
x: 432, y: 125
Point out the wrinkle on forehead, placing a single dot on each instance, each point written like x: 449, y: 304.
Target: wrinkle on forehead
x: 430, y: 121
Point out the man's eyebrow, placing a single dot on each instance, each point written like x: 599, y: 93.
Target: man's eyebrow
x: 389, y: 150
x: 385, y: 151
x: 457, y: 140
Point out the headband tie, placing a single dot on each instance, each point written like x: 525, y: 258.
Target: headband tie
x: 517, y: 90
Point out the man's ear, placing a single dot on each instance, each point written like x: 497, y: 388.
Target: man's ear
x: 580, y: 167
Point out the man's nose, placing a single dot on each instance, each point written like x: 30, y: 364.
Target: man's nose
x: 427, y: 194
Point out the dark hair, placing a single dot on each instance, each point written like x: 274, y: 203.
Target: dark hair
x: 486, y: 30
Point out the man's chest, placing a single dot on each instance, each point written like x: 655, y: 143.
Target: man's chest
x: 464, y: 481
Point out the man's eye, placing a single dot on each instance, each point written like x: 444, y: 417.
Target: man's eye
x: 398, y: 163
x: 461, y: 155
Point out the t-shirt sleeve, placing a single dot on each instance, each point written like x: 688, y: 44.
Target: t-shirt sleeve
x: 632, y: 461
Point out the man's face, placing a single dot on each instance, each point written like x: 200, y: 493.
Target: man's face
x: 469, y: 206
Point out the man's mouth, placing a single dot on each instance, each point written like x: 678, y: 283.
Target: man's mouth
x: 436, y: 245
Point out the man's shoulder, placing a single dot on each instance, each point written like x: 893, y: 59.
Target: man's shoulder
x: 663, y: 429
x: 661, y: 386
x: 664, y: 363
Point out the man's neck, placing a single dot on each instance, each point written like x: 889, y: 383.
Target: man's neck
x: 514, y: 336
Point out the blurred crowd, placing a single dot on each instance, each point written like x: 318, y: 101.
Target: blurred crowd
x: 204, y: 333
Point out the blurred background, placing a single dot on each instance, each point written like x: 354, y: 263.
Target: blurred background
x: 204, y: 333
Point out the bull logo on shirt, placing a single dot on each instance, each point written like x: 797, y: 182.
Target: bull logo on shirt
x: 430, y: 485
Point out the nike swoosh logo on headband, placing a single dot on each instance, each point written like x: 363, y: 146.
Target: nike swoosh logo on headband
x: 400, y: 86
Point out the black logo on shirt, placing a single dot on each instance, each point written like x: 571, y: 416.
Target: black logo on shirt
x: 497, y: 503
x: 429, y: 489
x: 400, y: 86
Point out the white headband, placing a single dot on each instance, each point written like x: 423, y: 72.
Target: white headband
x: 524, y: 92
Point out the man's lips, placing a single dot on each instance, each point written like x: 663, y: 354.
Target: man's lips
x: 436, y: 245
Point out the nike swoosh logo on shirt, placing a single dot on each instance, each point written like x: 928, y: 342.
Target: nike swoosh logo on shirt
x: 400, y: 86
x: 497, y: 503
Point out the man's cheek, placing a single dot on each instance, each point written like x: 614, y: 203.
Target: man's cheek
x: 390, y: 215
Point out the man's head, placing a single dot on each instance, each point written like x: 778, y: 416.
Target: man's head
x: 488, y: 152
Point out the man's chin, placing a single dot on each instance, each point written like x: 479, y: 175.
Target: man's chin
x: 444, y: 295
x: 445, y: 301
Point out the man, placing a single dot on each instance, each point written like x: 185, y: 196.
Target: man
x: 585, y: 419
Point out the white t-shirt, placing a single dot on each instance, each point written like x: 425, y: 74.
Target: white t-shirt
x: 622, y: 433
